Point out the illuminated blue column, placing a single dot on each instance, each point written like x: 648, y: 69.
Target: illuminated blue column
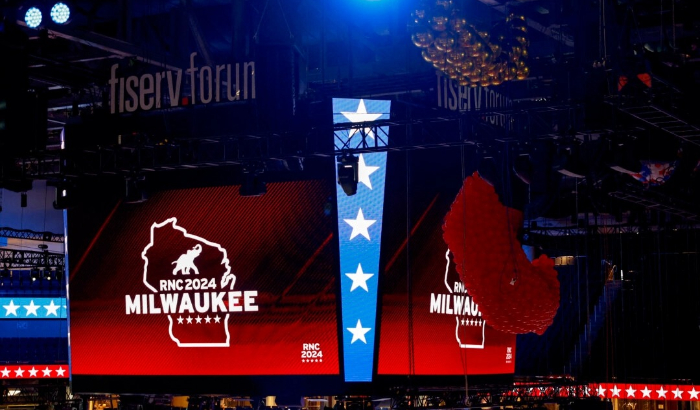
x: 360, y: 234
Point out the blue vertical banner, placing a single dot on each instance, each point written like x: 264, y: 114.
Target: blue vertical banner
x: 360, y: 232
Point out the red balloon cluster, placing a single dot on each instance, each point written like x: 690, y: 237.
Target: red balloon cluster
x: 514, y: 295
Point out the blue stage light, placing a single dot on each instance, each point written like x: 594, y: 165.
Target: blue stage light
x: 60, y: 13
x: 32, y: 17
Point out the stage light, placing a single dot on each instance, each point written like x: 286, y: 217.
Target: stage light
x: 64, y: 193
x: 348, y: 173
x: 60, y: 13
x: 47, y: 274
x: 136, y: 191
x: 253, y: 185
x: 34, y: 274
x: 33, y: 17
x: 59, y: 274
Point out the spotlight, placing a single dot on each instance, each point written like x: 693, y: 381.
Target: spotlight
x: 253, y: 185
x: 60, y: 13
x: 64, y: 194
x: 33, y: 17
x: 34, y: 274
x: 59, y: 274
x: 47, y: 274
x: 348, y: 173
x: 136, y: 191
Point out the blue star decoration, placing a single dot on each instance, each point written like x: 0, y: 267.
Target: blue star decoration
x: 359, y: 237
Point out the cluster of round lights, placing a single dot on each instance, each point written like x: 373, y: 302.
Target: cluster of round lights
x: 60, y: 14
x: 465, y: 54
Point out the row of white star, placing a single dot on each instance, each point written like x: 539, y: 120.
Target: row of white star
x: 646, y: 392
x: 33, y: 372
x: 31, y: 309
x: 471, y: 322
x: 198, y: 319
x: 311, y: 360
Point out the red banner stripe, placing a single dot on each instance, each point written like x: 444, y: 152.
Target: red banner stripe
x: 34, y: 371
x: 641, y: 391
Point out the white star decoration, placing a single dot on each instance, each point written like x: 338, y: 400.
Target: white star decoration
x: 646, y: 392
x: 678, y: 393
x: 359, y: 278
x: 630, y: 392
x: 615, y: 391
x: 51, y: 309
x: 47, y: 372
x: 359, y: 225
x: 5, y: 372
x: 693, y: 393
x: 11, y: 309
x: 60, y: 371
x: 358, y: 332
x: 32, y: 372
x: 19, y: 372
x: 661, y: 392
x: 364, y: 171
x: 601, y: 390
x: 31, y: 308
x: 361, y: 115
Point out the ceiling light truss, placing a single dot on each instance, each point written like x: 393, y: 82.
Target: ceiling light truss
x: 29, y: 259
x: 31, y: 235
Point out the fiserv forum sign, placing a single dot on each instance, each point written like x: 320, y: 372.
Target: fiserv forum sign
x: 164, y: 89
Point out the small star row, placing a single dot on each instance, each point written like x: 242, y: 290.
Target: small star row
x: 198, y: 319
x: 311, y: 360
x: 20, y: 372
x: 471, y: 322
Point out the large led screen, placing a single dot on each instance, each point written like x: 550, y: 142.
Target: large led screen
x: 203, y: 281
x: 429, y: 324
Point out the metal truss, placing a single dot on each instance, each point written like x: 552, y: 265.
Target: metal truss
x: 31, y: 235
x: 12, y: 259
x: 518, y: 395
x: 51, y: 394
x: 151, y: 153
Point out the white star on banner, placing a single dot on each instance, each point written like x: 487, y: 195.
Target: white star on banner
x: 207, y: 319
x: 360, y: 225
x: 31, y: 308
x: 19, y: 372
x: 361, y: 116
x: 630, y: 392
x: 5, y: 372
x: 60, y: 371
x: 364, y: 171
x: 358, y: 332
x: 47, y: 372
x: 11, y: 309
x: 359, y: 278
x: 678, y: 393
x: 217, y: 319
x: 646, y: 392
x: 601, y: 390
x: 615, y: 391
x: 189, y: 320
x: 199, y: 319
x: 661, y: 392
x: 180, y: 320
x: 693, y: 393
x: 52, y: 309
x: 32, y: 372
